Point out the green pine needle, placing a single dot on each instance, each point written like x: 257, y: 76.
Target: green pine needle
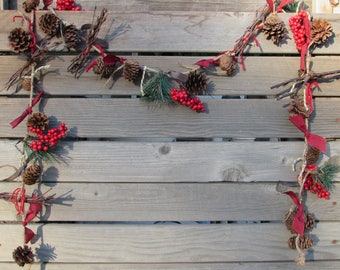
x: 327, y: 172
x: 158, y: 88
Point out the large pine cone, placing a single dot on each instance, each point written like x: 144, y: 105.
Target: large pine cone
x: 312, y: 155
x: 23, y: 255
x: 196, y: 83
x: 105, y: 71
x: 130, y: 70
x: 309, y: 221
x: 228, y: 64
x: 38, y: 120
x: 297, y: 106
x: 321, y: 31
x: 304, y: 242
x: 31, y: 174
x: 274, y: 28
x: 50, y: 24
x: 29, y: 5
x: 71, y: 36
x: 20, y: 40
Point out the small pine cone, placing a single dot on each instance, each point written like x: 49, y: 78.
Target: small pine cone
x: 105, y: 71
x: 228, y: 64
x: 26, y: 83
x: 19, y: 40
x: 23, y: 255
x: 196, y: 83
x: 312, y: 155
x: 321, y: 31
x: 38, y: 120
x: 274, y: 28
x: 49, y: 24
x: 308, y: 218
x: 297, y: 106
x: 31, y: 174
x: 29, y: 5
x: 130, y: 70
x: 71, y: 36
x: 304, y: 242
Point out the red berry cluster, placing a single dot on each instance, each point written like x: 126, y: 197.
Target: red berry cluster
x: 185, y: 99
x: 297, y: 26
x: 47, y: 139
x: 67, y: 5
x: 316, y: 187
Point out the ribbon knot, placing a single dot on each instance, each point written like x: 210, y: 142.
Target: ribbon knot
x: 299, y: 220
x: 312, y: 139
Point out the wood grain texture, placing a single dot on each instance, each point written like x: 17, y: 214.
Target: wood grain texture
x: 260, y: 75
x: 174, y: 31
x: 169, y: 243
x: 226, y: 118
x: 172, y: 202
x: 312, y: 265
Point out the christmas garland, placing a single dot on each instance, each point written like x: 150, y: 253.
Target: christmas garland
x: 170, y: 87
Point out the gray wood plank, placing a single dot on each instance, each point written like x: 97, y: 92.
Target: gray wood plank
x: 312, y: 265
x: 134, y: 118
x: 171, y: 202
x: 169, y: 243
x: 174, y: 31
x: 254, y: 81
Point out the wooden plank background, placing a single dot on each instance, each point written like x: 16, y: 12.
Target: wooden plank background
x: 131, y: 170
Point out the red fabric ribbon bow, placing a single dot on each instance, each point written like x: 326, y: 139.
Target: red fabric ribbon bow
x: 312, y: 139
x: 299, y: 220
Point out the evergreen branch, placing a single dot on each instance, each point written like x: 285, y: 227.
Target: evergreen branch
x: 158, y: 88
x: 327, y: 172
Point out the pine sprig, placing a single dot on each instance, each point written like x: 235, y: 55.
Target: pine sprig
x: 158, y: 88
x: 327, y: 172
x: 47, y: 156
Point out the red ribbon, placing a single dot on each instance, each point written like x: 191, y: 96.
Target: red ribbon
x: 19, y: 202
x: 309, y: 95
x: 313, y: 139
x: 299, y: 220
x: 29, y: 234
x: 304, y: 48
x: 27, y: 111
x: 32, y: 212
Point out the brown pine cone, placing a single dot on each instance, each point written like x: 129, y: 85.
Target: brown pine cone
x: 38, y: 120
x: 274, y: 28
x: 312, y: 155
x: 105, y: 71
x: 23, y: 255
x: 29, y: 5
x: 308, y: 218
x: 304, y: 242
x: 50, y: 24
x: 31, y: 174
x: 71, y: 36
x: 321, y: 31
x: 20, y: 40
x: 26, y: 83
x: 228, y: 64
x: 297, y: 106
x: 196, y: 83
x: 130, y: 70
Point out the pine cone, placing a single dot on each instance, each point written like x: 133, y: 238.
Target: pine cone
x: 31, y: 174
x: 308, y: 218
x: 297, y: 106
x: 50, y: 24
x: 130, y: 70
x: 104, y: 71
x: 23, y: 255
x: 321, y: 31
x: 29, y: 5
x: 312, y: 155
x: 38, y: 120
x: 196, y: 83
x: 228, y: 64
x: 274, y: 28
x: 304, y: 242
x: 26, y: 83
x: 19, y: 40
x: 71, y: 36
